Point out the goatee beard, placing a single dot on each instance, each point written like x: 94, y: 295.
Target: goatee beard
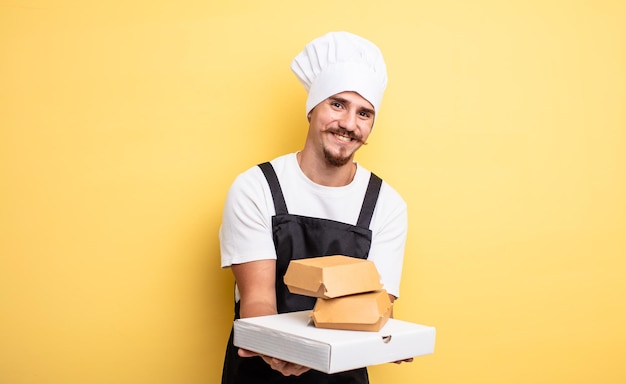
x: 335, y: 161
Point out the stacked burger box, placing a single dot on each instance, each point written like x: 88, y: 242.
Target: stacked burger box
x: 348, y: 291
x: 350, y: 299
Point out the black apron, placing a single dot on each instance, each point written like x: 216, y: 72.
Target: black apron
x: 299, y: 237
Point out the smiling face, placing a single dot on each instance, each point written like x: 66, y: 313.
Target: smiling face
x: 339, y: 126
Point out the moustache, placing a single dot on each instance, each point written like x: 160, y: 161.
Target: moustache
x: 344, y: 132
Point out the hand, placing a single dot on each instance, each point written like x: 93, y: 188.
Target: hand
x: 409, y: 360
x: 284, y: 367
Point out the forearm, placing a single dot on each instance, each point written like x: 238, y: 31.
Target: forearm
x: 256, y: 308
x: 256, y: 284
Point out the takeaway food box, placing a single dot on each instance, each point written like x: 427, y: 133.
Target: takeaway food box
x: 329, y: 277
x: 360, y: 312
x: 350, y: 326
x: 292, y: 337
x: 348, y: 290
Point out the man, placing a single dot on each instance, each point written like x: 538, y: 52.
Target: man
x: 316, y: 202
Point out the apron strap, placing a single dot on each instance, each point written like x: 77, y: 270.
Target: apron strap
x: 367, y: 209
x: 277, y: 193
x: 369, y: 202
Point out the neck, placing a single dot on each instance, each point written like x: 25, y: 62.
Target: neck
x: 325, y: 174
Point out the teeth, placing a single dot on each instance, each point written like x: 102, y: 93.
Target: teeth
x: 343, y: 138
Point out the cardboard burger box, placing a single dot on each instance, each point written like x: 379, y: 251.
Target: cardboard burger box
x: 292, y: 337
x: 348, y: 289
x: 359, y: 312
x: 331, y: 338
x: 328, y: 277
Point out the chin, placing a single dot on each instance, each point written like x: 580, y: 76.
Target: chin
x: 336, y: 161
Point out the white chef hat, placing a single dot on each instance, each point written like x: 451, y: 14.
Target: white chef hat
x: 339, y: 62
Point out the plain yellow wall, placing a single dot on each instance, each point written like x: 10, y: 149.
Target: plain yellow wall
x: 123, y: 123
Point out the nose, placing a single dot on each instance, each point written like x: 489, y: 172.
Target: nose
x: 349, y: 121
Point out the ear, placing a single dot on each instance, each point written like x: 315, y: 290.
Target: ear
x: 308, y: 117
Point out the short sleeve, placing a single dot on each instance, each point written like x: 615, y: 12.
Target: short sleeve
x: 389, y: 231
x: 246, y: 230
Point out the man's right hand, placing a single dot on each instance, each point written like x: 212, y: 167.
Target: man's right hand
x: 284, y: 367
x: 256, y: 284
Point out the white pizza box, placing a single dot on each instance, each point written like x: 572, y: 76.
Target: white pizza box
x: 292, y: 337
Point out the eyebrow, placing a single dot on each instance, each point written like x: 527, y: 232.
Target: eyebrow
x: 345, y: 101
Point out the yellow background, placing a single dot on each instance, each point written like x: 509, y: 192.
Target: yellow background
x: 123, y: 124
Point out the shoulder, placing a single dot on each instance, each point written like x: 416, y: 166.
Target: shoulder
x: 388, y: 195
x: 247, y: 182
x: 391, y: 209
x: 254, y: 174
x: 252, y: 184
x: 285, y: 165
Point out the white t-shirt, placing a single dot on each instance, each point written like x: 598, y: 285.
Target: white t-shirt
x: 246, y: 230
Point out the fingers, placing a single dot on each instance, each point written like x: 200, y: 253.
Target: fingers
x: 285, y: 367
x: 245, y: 353
x: 409, y: 360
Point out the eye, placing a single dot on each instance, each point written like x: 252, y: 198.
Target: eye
x: 336, y: 104
x: 365, y: 114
